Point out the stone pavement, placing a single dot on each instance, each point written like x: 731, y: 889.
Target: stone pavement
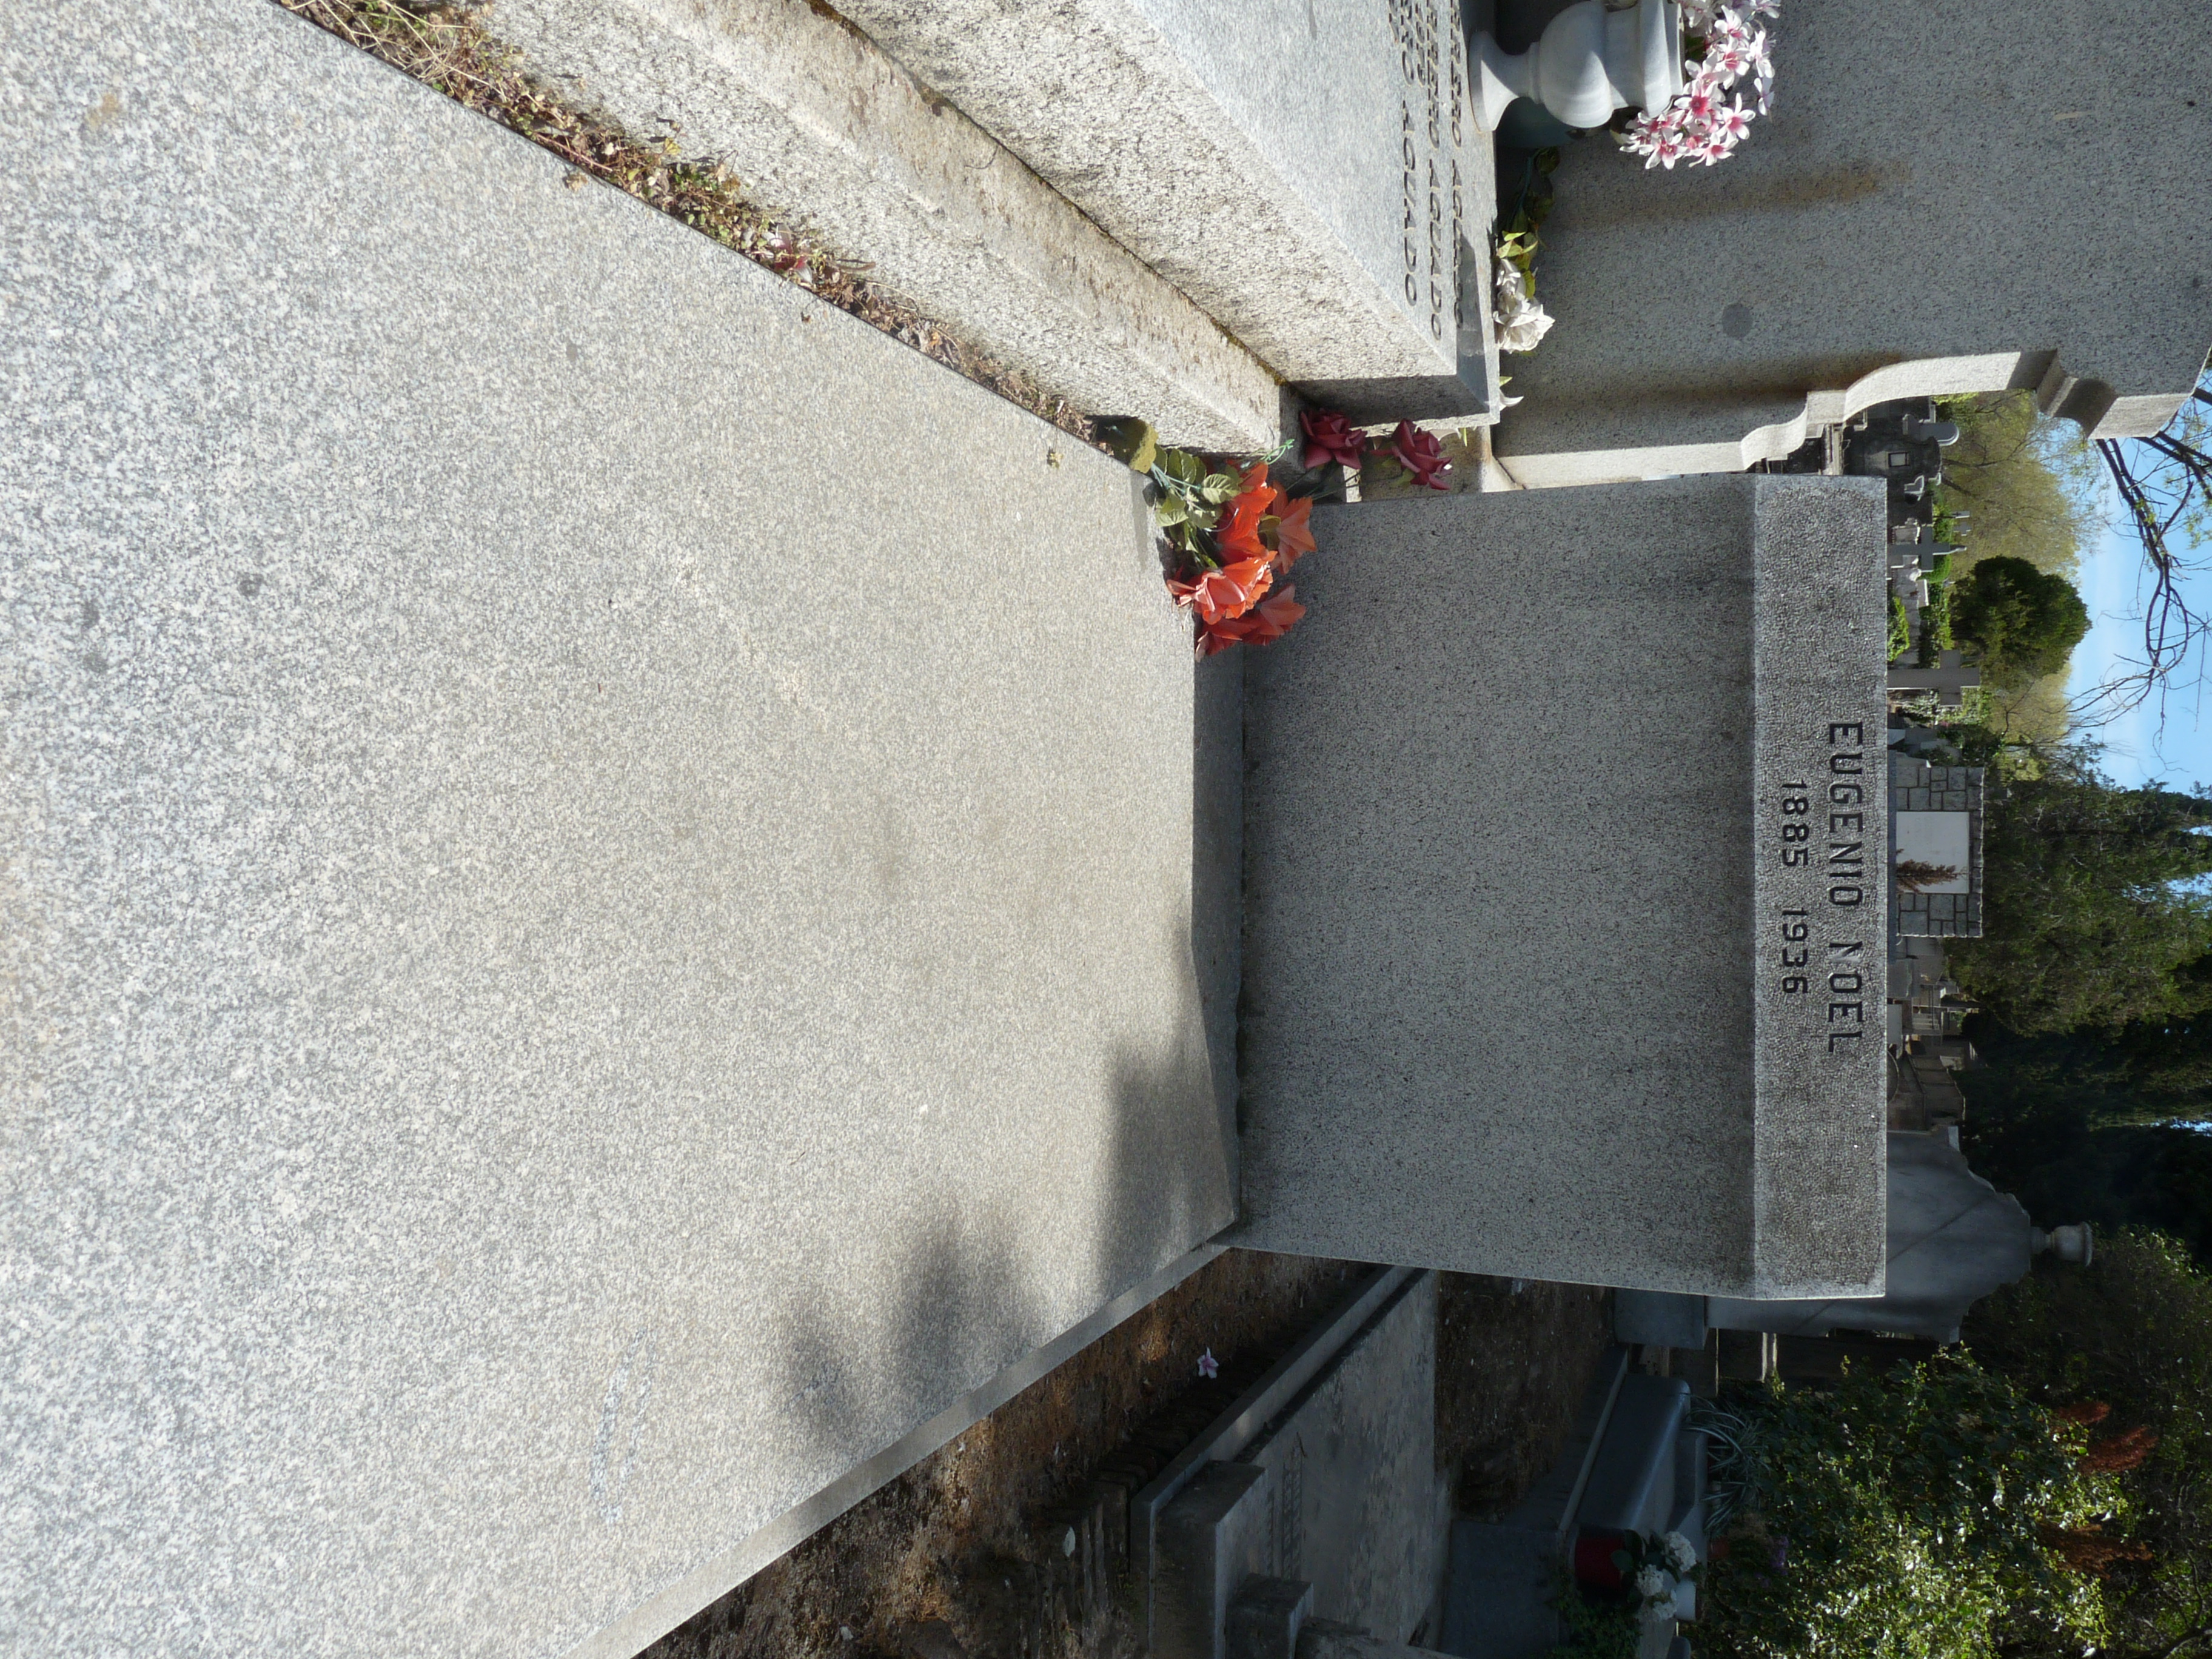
x: 610, y: 899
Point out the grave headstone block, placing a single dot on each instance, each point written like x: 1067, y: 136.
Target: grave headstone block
x: 1566, y: 890
x: 1308, y: 171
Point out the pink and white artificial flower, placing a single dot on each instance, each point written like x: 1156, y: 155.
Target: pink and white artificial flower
x: 1713, y: 147
x: 1698, y: 125
x: 1732, y: 121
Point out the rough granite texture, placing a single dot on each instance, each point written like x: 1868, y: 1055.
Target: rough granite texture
x: 1284, y: 164
x: 599, y: 870
x: 819, y: 122
x: 1516, y: 1000
x: 1712, y: 311
x: 1352, y: 1476
x: 1339, y: 1492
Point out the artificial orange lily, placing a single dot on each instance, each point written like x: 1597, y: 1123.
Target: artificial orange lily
x: 1292, y: 535
x: 1232, y: 589
x: 1239, y: 530
x: 1264, y: 624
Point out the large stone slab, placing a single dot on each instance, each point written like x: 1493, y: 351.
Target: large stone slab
x: 604, y: 910
x: 1564, y: 905
x: 1308, y: 171
x: 1709, y: 318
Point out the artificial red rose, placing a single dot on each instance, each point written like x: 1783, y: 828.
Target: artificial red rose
x: 1420, y: 454
x: 1330, y: 437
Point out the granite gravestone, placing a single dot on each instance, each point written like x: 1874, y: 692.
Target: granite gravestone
x: 547, y: 1039
x: 1308, y: 171
x: 1564, y: 894
x: 1336, y: 1492
x: 1709, y: 318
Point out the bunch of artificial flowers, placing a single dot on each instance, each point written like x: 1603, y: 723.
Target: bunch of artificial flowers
x: 1702, y: 124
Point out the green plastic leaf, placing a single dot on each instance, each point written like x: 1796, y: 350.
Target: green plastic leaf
x: 1131, y: 440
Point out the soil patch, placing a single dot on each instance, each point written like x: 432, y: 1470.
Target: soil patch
x: 1514, y: 1358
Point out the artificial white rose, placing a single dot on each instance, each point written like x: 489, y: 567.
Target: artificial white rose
x: 1521, y: 321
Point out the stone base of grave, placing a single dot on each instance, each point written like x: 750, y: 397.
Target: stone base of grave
x: 1313, y: 179
x: 1565, y: 908
x: 822, y: 124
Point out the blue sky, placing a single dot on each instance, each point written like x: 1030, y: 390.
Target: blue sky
x: 2169, y: 738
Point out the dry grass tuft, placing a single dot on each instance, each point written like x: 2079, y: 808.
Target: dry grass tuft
x: 450, y: 50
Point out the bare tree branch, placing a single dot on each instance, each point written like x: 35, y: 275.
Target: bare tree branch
x: 2160, y: 480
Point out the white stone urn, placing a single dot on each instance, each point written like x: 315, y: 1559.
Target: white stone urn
x: 1589, y: 63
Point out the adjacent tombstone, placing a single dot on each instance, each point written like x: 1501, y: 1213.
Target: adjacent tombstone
x: 1709, y: 318
x: 1308, y: 171
x: 1334, y: 1497
x: 1564, y: 890
x: 1953, y: 1238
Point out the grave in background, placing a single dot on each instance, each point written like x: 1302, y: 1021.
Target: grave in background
x: 1315, y: 1496
x: 1957, y: 199
x: 1566, y: 890
x: 1308, y: 171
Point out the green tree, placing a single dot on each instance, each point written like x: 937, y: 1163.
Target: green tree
x: 2025, y: 622
x: 2059, y: 1122
x: 1905, y: 1515
x: 2022, y: 477
x: 2083, y: 924
x: 2134, y: 1332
